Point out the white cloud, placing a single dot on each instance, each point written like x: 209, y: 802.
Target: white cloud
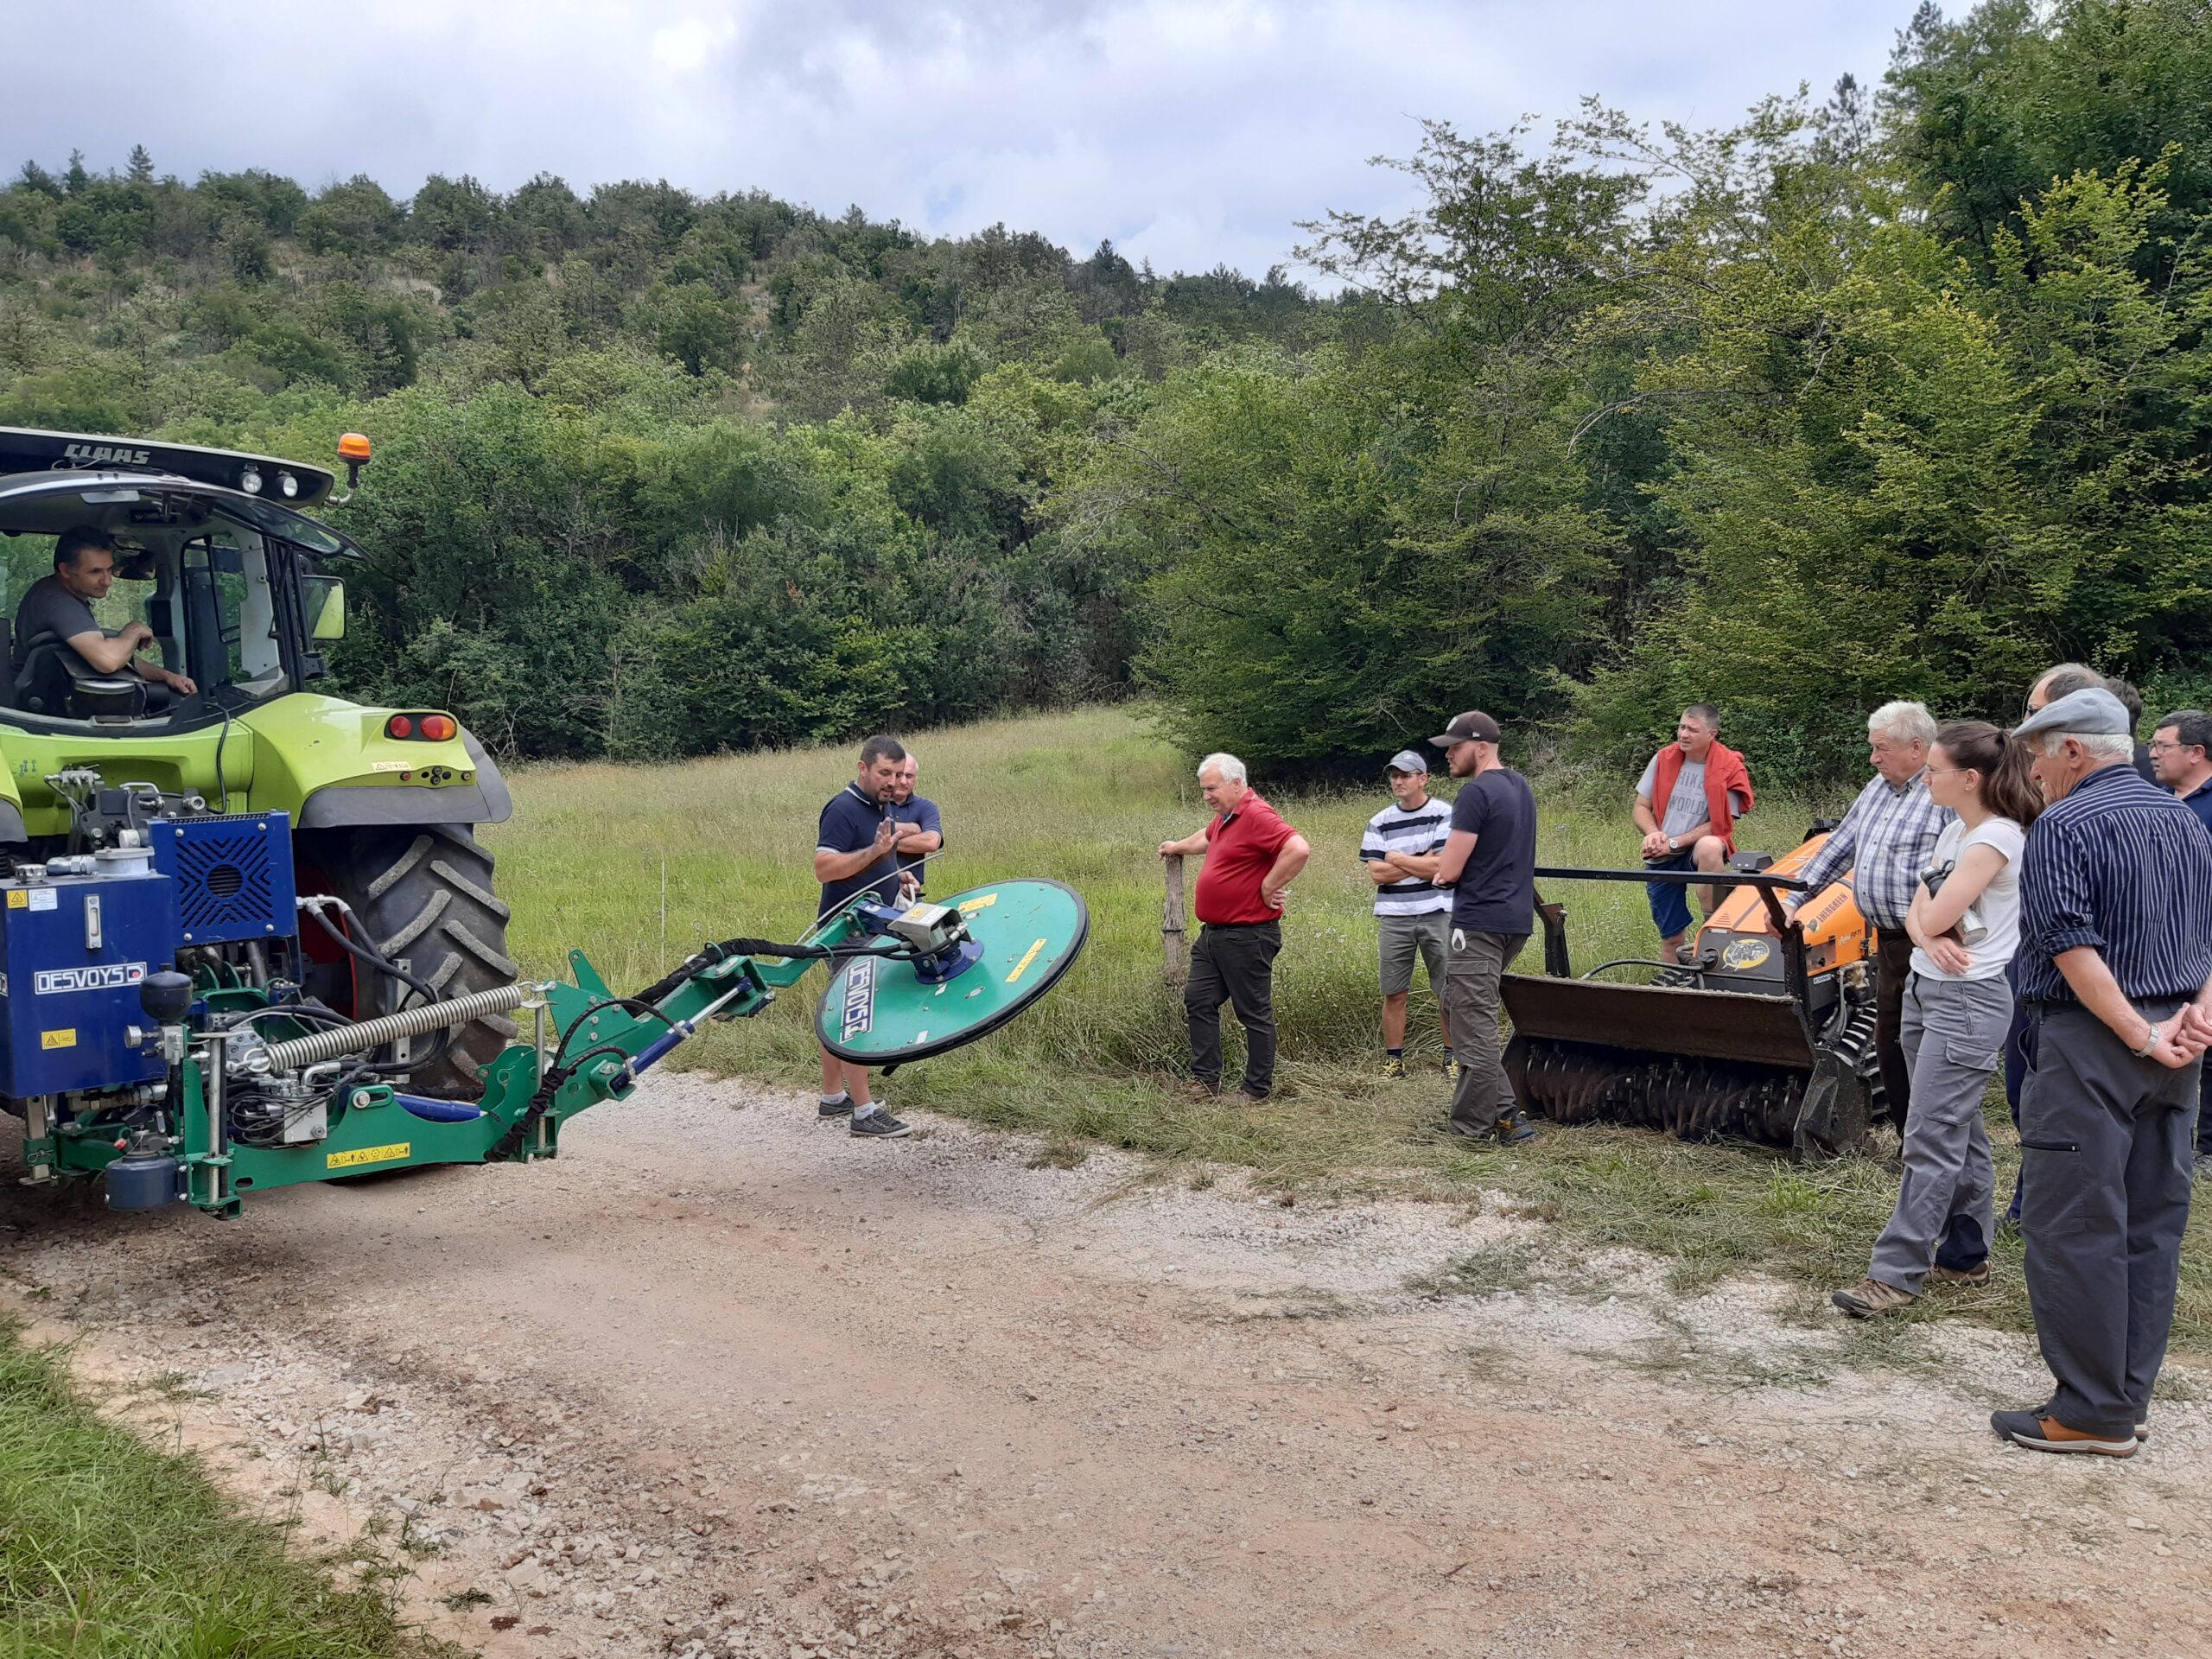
x: 1188, y: 132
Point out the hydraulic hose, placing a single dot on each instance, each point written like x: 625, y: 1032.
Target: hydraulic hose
x: 298, y: 1052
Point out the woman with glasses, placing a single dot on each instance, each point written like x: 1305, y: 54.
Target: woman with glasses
x: 1965, y: 924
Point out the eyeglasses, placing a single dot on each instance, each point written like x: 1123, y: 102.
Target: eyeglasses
x: 2156, y: 747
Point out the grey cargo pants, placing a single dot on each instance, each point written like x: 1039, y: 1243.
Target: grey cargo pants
x: 2104, y: 1143
x: 1478, y: 961
x: 1953, y: 1032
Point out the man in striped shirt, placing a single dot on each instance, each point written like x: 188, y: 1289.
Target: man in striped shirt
x: 1885, y: 841
x: 2116, y: 972
x: 1400, y: 851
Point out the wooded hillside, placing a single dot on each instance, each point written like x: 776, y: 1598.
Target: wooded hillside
x: 1902, y: 392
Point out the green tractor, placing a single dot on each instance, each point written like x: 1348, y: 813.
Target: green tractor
x: 213, y: 552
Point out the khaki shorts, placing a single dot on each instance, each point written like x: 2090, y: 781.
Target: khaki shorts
x: 1406, y: 936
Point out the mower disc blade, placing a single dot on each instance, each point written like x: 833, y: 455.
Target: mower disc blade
x: 879, y: 1012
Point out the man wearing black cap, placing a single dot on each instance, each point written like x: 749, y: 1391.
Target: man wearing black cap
x: 2116, y: 972
x: 1413, y: 914
x: 1489, y: 861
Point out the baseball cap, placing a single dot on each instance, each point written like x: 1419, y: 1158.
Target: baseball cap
x: 1407, y: 760
x: 1473, y: 727
x: 2092, y: 712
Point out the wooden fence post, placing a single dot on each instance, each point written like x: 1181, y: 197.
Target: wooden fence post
x: 1177, y: 966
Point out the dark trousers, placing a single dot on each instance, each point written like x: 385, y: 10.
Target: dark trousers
x: 2105, y: 1155
x: 1892, y: 968
x: 1236, y: 964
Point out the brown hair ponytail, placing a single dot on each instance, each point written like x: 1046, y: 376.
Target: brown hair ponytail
x: 2002, y: 760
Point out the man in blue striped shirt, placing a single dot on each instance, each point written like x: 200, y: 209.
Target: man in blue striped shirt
x: 2116, y: 970
x: 1885, y: 841
x: 1400, y: 850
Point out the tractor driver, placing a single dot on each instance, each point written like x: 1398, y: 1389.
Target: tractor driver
x: 62, y: 605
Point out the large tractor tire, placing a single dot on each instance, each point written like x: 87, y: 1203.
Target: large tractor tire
x: 422, y: 895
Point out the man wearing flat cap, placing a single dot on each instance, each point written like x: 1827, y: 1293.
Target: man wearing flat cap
x: 2116, y: 973
x: 1413, y: 914
x: 1489, y: 862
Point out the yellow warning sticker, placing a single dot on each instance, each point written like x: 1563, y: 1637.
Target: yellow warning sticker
x: 19, y: 898
x: 982, y: 901
x: 368, y: 1156
x: 1019, y: 966
x: 58, y: 1039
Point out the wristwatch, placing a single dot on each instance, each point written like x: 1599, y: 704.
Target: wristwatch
x: 2150, y: 1042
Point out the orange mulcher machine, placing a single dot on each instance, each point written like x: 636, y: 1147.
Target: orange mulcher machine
x: 1765, y: 1034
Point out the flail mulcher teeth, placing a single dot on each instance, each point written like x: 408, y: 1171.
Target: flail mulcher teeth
x: 1580, y: 1083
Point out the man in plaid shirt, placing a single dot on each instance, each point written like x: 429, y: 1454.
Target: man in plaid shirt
x: 1885, y: 842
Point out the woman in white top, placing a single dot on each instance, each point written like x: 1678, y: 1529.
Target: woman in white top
x: 1965, y: 924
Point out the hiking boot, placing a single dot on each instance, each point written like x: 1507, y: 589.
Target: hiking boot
x: 1980, y: 1273
x: 1513, y: 1130
x: 1247, y: 1095
x: 1393, y: 1066
x: 1870, y: 1297
x: 2041, y: 1433
x: 878, y: 1125
x: 1198, y: 1089
x: 1452, y: 1069
x: 840, y: 1106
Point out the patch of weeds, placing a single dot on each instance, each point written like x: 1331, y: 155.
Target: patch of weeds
x: 1299, y: 1302
x: 1201, y: 1180
x: 1514, y: 1264
x: 1789, y: 1194
x: 176, y: 1386
x: 462, y: 1600
x: 1490, y: 1361
x: 1060, y: 1152
x: 1676, y: 1353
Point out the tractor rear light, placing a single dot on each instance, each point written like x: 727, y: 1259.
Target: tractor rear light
x: 399, y: 726
x: 439, y: 728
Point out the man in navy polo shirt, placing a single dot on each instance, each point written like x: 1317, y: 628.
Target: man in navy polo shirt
x: 856, y: 851
x: 1251, y: 856
x: 2181, y: 755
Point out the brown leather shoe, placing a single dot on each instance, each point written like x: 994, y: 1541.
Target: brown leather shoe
x: 1980, y: 1273
x: 1871, y: 1297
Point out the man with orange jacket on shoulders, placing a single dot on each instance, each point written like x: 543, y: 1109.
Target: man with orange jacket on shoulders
x: 1686, y: 805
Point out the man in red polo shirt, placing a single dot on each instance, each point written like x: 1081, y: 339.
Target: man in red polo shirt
x: 1251, y: 856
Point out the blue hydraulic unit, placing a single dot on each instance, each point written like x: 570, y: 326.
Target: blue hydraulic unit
x: 234, y: 874
x: 76, y: 942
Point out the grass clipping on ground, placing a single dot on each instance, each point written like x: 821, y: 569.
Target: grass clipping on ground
x: 640, y: 864
x: 113, y: 1548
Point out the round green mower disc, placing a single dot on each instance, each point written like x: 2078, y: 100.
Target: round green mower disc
x: 878, y: 1012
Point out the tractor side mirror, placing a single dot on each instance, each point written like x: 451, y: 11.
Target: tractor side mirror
x: 325, y: 604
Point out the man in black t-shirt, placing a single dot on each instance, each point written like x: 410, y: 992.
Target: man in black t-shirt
x: 62, y: 605
x: 1489, y: 861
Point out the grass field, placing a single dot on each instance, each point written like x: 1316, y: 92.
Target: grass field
x: 111, y: 1548
x: 640, y: 864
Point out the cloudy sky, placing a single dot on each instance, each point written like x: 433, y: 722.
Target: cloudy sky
x: 1189, y: 131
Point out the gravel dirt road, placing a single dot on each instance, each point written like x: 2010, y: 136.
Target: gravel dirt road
x: 722, y: 1381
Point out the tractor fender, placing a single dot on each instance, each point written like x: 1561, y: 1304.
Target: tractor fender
x: 351, y: 805
x: 12, y: 810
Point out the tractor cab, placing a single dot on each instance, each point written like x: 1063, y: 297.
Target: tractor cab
x: 240, y: 590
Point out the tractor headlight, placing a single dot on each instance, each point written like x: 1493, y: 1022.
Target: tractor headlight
x: 286, y: 486
x: 250, y: 480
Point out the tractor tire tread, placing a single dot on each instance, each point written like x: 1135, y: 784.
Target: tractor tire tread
x: 426, y: 897
x: 483, y: 896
